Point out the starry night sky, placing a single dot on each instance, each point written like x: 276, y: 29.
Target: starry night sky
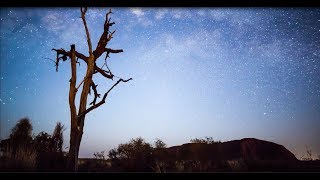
x: 228, y: 73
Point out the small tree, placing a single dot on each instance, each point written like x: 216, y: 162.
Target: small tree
x: 22, y: 131
x: 99, y: 155
x: 57, y: 138
x: 158, y: 154
x: 18, y: 149
x: 135, y: 155
x: 78, y: 117
x: 160, y: 144
x: 308, y: 154
x: 21, y: 135
x: 49, y: 149
x: 43, y: 142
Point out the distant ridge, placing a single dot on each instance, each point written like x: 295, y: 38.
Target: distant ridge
x: 250, y: 149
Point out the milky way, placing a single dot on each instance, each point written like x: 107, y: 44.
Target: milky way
x: 228, y: 73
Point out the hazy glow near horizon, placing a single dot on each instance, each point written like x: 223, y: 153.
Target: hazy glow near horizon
x: 228, y: 73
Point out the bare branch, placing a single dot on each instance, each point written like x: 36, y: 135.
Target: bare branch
x: 111, y: 35
x: 81, y: 56
x: 107, y: 23
x: 49, y: 59
x: 103, y: 72
x: 61, y: 51
x: 96, y: 95
x: 64, y: 56
x: 83, y: 17
x: 80, y: 84
x: 103, y: 99
x: 105, y: 37
x: 83, y: 10
x: 109, y: 50
x: 110, y: 12
x: 67, y: 53
x: 106, y: 64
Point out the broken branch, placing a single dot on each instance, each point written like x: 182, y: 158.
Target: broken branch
x: 103, y: 99
x: 109, y: 50
x: 63, y: 57
x: 103, y: 73
x: 105, y: 37
x: 96, y: 95
x: 64, y: 54
x: 81, y: 56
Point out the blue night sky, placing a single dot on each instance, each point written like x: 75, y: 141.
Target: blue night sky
x: 228, y: 73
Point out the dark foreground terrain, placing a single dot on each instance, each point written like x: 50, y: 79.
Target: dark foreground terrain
x: 245, y: 155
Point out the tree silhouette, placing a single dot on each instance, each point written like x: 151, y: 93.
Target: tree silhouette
x: 136, y: 155
x: 43, y: 142
x: 78, y: 118
x: 159, y: 144
x: 57, y: 138
x: 21, y: 130
x: 21, y: 135
x: 159, y: 166
x: 18, y: 149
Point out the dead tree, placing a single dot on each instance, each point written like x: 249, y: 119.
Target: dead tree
x: 78, y: 118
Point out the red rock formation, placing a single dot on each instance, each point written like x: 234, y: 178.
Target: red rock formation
x: 246, y: 149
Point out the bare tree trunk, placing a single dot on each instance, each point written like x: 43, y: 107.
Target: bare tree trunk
x: 73, y: 110
x: 73, y: 151
x: 78, y: 124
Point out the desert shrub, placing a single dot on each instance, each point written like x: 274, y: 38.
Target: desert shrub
x: 20, y: 135
x: 24, y: 159
x: 57, y: 138
x: 206, y: 140
x: 49, y: 149
x: 159, y: 165
x: 99, y: 155
x: 308, y: 155
x: 18, y: 152
x: 100, y: 159
x: 159, y: 144
x: 21, y: 152
x: 136, y: 155
x: 43, y: 142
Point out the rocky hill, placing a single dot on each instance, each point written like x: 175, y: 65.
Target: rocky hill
x: 246, y: 149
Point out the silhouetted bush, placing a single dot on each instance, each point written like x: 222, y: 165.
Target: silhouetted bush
x: 43, y: 142
x: 308, y: 155
x: 159, y: 144
x: 57, y: 138
x: 49, y: 149
x: 135, y: 155
x: 18, y: 152
x: 206, y: 140
x: 22, y: 152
